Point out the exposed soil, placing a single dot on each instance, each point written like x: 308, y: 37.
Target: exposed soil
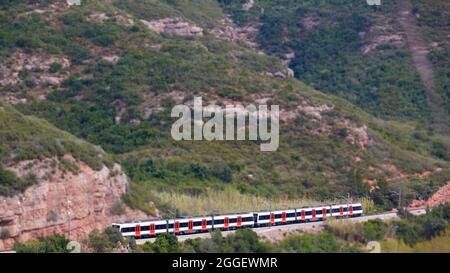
x: 419, y: 50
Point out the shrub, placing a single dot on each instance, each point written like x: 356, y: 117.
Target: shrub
x: 50, y: 244
x: 374, y: 230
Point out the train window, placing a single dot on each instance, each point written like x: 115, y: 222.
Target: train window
x: 129, y: 229
x: 185, y: 224
x: 164, y: 226
x: 247, y: 219
x: 264, y: 217
x: 292, y: 214
x: 218, y: 222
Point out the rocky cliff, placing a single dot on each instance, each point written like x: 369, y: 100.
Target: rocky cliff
x: 87, y: 197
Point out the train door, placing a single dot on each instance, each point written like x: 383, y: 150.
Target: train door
x: 177, y: 227
x: 313, y: 214
x: 255, y: 219
x: 137, y: 231
x: 204, y: 224
x: 152, y: 229
x: 283, y: 217
x: 350, y: 209
x: 226, y: 222
x: 303, y: 215
x: 239, y: 221
x: 341, y: 211
x: 272, y: 218
x: 190, y: 226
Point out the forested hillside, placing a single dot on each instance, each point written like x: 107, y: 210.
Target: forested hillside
x: 354, y: 117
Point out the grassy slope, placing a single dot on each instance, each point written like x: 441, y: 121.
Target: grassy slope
x: 27, y: 138
x: 305, y: 165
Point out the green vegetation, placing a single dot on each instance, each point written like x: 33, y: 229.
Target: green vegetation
x: 247, y: 241
x: 51, y: 244
x: 435, y: 24
x: 412, y: 229
x: 27, y: 138
x: 107, y: 241
x: 203, y: 12
x: 409, y: 229
x: 327, y: 38
x: 424, y: 233
x: 318, y: 159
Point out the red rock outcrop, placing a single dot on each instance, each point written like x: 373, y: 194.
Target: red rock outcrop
x: 442, y: 196
x: 87, y: 197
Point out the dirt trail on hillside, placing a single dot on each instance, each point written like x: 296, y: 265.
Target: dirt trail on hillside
x: 419, y: 51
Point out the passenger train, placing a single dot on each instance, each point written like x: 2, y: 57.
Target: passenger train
x: 191, y: 225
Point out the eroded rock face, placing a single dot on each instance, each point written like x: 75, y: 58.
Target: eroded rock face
x: 43, y: 209
x: 36, y: 65
x: 442, y: 196
x: 174, y: 26
x: 229, y: 31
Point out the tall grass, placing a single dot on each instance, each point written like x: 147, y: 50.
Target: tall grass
x: 230, y: 200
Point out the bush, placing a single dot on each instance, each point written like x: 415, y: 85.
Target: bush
x: 374, y: 230
x: 106, y: 241
x: 165, y: 243
x: 407, y: 233
x: 50, y: 244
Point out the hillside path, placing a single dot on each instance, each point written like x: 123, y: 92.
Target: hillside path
x: 419, y: 50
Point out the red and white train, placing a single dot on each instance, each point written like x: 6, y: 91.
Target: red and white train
x: 191, y: 225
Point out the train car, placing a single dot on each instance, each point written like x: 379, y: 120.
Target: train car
x: 320, y: 213
x: 355, y: 210
x: 190, y: 225
x: 143, y: 229
x: 262, y: 218
x: 287, y: 216
x: 233, y: 221
x: 347, y: 210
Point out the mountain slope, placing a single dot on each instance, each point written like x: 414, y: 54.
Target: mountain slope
x: 110, y: 72
x: 362, y: 53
